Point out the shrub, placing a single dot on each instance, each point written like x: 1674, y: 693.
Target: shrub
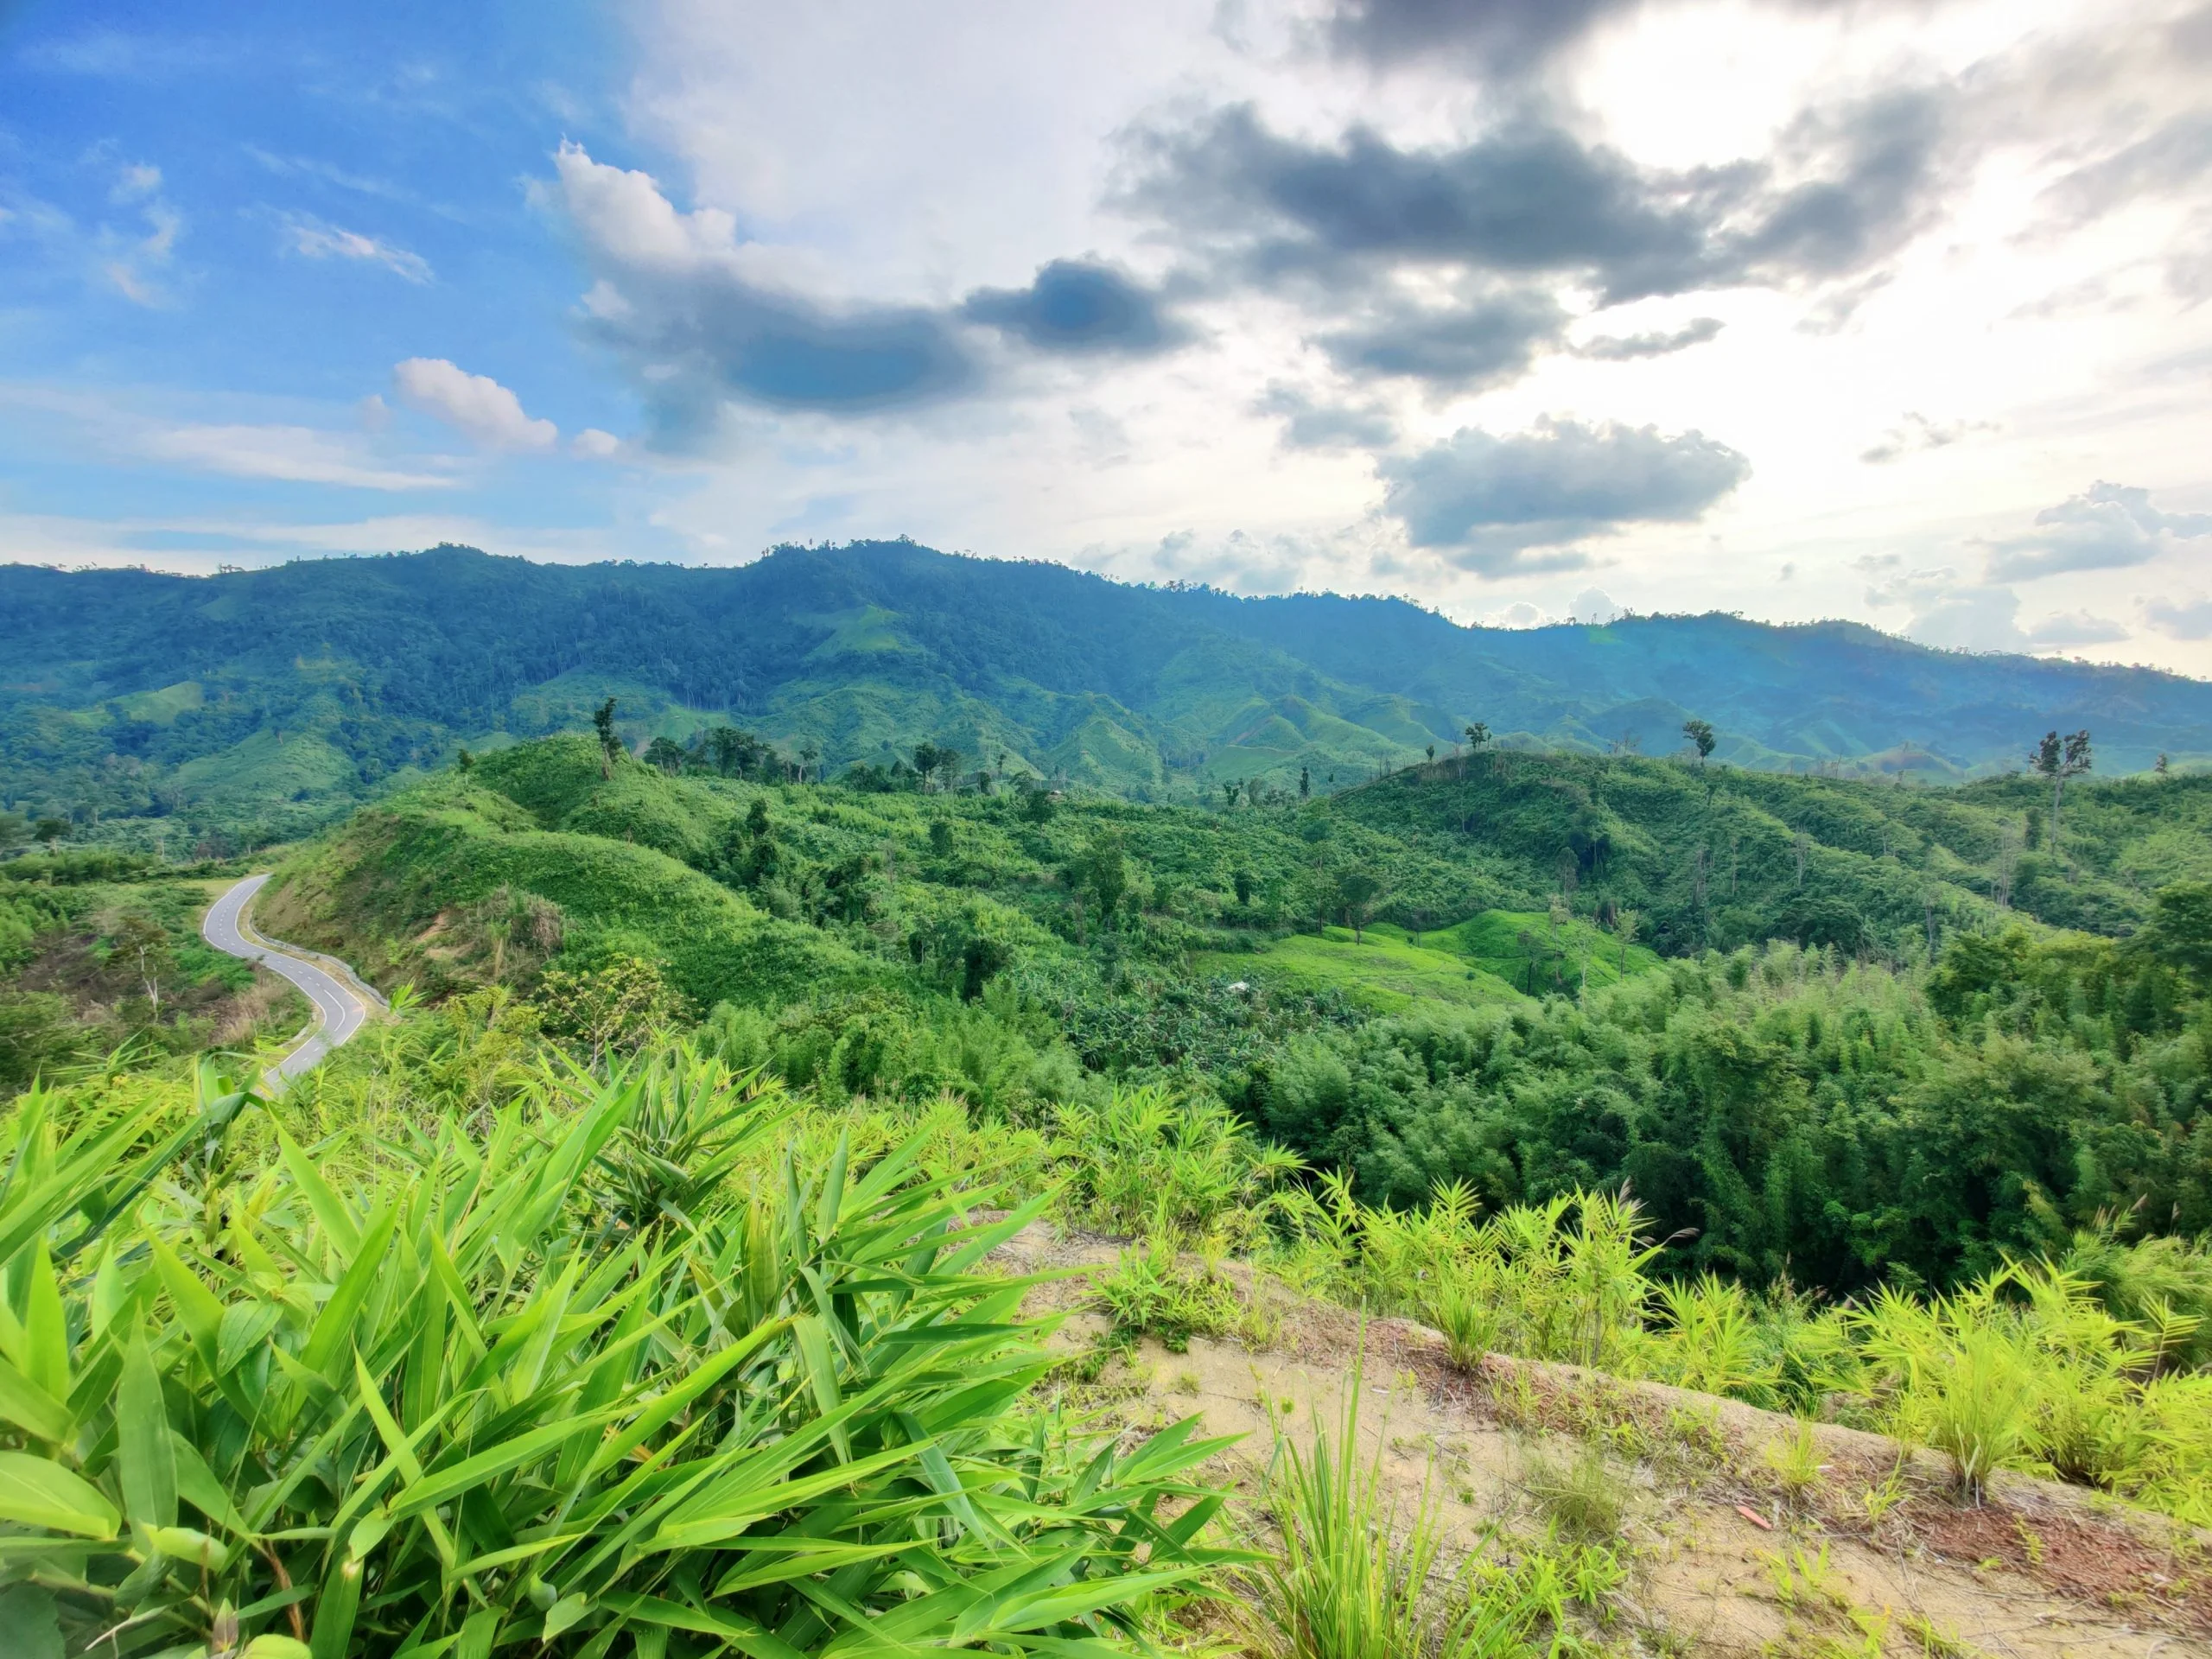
x: 450, y: 1409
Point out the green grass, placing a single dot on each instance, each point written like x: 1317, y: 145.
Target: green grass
x: 1384, y: 971
x: 1493, y: 942
x: 395, y: 870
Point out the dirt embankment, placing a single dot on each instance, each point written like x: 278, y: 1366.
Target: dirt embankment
x: 1731, y: 1549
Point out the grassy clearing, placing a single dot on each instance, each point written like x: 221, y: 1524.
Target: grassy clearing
x: 1385, y: 971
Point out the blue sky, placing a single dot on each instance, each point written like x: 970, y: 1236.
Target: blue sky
x: 1898, y: 309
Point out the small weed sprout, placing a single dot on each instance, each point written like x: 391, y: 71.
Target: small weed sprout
x: 1794, y: 1457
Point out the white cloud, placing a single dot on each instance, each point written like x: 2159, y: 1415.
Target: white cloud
x: 137, y: 262
x: 592, y: 444
x: 2107, y: 526
x: 476, y: 403
x: 313, y: 239
x: 2179, y: 619
x: 298, y: 455
x: 1593, y: 605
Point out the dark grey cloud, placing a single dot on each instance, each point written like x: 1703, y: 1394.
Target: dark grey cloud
x: 1460, y: 348
x: 1076, y: 307
x: 1499, y: 34
x: 2107, y: 527
x: 1308, y: 424
x: 1487, y: 500
x: 1497, y: 37
x: 1622, y: 348
x: 707, y: 335
x: 1531, y: 200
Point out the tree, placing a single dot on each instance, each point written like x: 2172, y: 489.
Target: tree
x: 1306, y: 782
x: 1241, y: 879
x: 810, y: 752
x: 610, y: 745
x: 1356, y: 892
x: 465, y: 762
x: 142, y: 945
x: 666, y: 754
x: 1478, y: 736
x: 1699, y: 732
x: 2059, y: 758
x: 1229, y: 794
x: 48, y: 830
x: 2160, y: 764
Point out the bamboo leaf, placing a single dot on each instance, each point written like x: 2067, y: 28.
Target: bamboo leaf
x: 821, y: 1373
x: 46, y: 1331
x: 31, y: 1408
x: 145, y: 1460
x: 41, y: 1494
x: 336, y: 1218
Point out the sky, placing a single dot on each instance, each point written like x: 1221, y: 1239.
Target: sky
x: 1899, y: 311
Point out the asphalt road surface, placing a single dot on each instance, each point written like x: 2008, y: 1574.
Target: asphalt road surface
x: 340, y: 1009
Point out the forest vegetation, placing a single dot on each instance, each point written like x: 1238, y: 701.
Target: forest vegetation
x: 628, y: 1290
x: 200, y: 716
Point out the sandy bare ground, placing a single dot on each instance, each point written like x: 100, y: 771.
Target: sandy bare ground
x: 1878, y: 1559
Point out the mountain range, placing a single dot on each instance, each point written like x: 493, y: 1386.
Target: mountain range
x: 290, y: 693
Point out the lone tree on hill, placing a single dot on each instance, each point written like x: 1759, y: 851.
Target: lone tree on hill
x: 1699, y: 732
x: 2058, y: 759
x: 610, y: 745
x: 1356, y: 891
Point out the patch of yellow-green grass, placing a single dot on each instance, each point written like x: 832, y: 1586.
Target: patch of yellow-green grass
x: 1524, y: 949
x: 1384, y: 970
x: 161, y: 706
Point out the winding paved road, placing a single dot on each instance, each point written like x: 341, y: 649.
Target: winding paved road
x: 340, y: 1008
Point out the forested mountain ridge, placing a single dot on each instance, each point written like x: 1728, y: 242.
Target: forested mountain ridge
x: 287, y: 694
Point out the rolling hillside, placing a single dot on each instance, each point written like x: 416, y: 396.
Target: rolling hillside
x: 272, y: 700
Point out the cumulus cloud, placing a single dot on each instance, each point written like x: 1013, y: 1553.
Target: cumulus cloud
x: 2062, y: 628
x: 1481, y: 343
x: 2179, y: 619
x: 1486, y: 500
x: 2107, y: 527
x: 1949, y: 610
x: 1310, y: 425
x: 476, y: 403
x: 1846, y: 186
x: 313, y: 239
x: 681, y: 302
x: 592, y: 444
x: 1622, y: 348
x: 1594, y: 605
x: 1078, y: 306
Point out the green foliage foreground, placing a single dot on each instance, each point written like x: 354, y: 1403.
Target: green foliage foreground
x: 492, y: 1390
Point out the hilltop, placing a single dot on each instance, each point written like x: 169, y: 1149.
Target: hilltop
x: 265, y: 702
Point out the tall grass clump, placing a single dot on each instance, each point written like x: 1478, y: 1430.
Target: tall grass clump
x: 1148, y: 1160
x: 1525, y: 1281
x: 1358, y: 1575
x: 536, y: 1389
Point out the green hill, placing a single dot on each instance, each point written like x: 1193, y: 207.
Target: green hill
x: 256, y: 705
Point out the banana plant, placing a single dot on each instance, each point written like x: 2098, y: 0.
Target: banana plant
x: 447, y: 1410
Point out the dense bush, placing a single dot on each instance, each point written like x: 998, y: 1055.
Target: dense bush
x: 494, y: 1391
